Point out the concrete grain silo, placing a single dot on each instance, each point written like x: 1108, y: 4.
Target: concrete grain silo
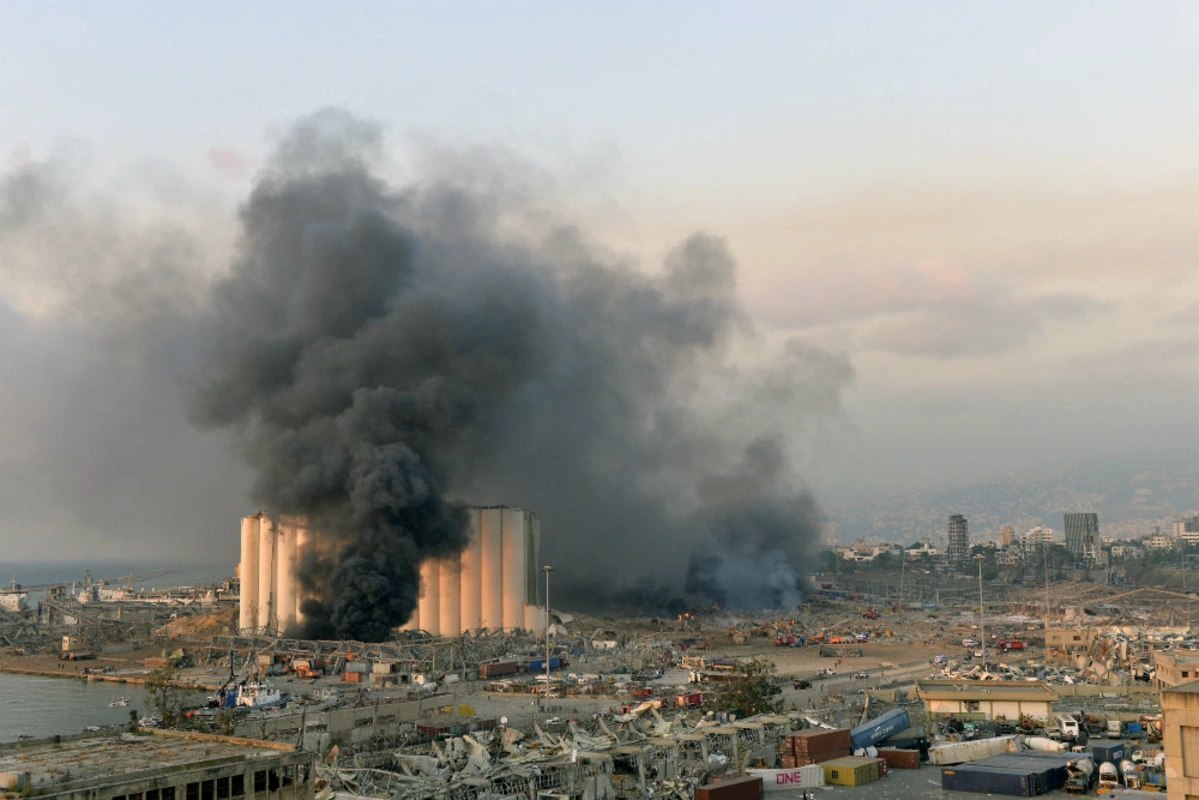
x: 266, y: 574
x: 248, y: 574
x: 492, y: 583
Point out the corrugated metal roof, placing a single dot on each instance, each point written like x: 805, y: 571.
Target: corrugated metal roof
x: 74, y: 759
x: 985, y: 690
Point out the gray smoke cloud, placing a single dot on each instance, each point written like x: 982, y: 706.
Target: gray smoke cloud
x: 390, y: 353
x: 384, y: 354
x: 101, y: 274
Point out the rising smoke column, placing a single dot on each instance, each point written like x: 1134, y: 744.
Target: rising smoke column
x: 388, y: 354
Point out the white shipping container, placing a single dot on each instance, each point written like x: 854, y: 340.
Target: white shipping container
x: 960, y: 752
x: 778, y: 780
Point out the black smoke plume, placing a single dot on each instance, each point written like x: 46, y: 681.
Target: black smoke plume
x: 389, y: 354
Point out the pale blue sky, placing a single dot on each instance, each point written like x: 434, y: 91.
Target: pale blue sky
x: 831, y: 93
x: 985, y: 206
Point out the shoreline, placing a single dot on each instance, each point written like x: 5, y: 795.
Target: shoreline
x: 44, y: 671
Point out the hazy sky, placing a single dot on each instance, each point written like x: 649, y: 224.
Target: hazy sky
x: 988, y: 208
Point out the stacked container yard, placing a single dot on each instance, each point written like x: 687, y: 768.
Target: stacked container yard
x: 813, y: 746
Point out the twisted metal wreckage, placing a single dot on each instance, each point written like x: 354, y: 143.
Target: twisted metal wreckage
x: 639, y: 758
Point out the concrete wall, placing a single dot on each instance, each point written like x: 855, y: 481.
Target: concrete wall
x: 341, y: 726
x: 1179, y: 710
x: 1008, y: 709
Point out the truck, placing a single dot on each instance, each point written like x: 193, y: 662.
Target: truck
x: 1070, y: 731
x: 1007, y: 645
x: 1080, y: 776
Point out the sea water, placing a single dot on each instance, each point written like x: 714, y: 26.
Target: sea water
x: 35, y: 706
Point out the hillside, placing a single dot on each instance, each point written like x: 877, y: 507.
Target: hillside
x: 1131, y: 496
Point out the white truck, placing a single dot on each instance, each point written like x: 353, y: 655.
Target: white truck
x: 1070, y: 731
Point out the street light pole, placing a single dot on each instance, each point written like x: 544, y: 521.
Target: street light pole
x: 547, y: 569
x: 982, y: 615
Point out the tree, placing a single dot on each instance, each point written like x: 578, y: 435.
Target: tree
x: 751, y: 692
x: 166, y: 696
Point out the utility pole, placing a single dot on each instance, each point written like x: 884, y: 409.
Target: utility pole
x: 1045, y: 550
x: 547, y: 569
x: 903, y: 563
x: 982, y: 614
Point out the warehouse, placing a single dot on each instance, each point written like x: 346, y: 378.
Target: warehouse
x: 992, y: 699
x: 156, y: 765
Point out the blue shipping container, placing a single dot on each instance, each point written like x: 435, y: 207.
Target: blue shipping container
x: 876, y: 730
x: 1108, y: 752
x: 991, y: 780
x: 1048, y: 769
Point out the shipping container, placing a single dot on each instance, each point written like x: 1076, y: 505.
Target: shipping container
x: 961, y: 752
x: 747, y: 787
x: 1047, y: 769
x: 850, y: 771
x: 876, y: 730
x: 908, y: 739
x: 538, y: 664
x: 352, y: 677
x: 357, y: 666
x: 497, y: 669
x: 813, y: 746
x: 1109, y: 752
x: 991, y: 780
x: 900, y: 759
x: 777, y: 780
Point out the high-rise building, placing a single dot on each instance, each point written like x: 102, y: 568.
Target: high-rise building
x: 1082, y: 536
x: 1187, y: 529
x: 1037, y: 538
x: 959, y: 539
x: 1005, y: 536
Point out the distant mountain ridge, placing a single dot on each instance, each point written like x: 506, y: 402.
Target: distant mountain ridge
x: 1131, y: 496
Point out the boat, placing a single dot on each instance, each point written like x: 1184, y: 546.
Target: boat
x: 14, y: 599
x: 258, y: 695
x: 120, y: 702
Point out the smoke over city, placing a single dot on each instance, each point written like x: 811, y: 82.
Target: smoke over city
x: 390, y: 353
x: 385, y: 354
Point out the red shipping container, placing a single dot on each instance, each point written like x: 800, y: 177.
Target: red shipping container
x: 748, y: 787
x: 817, y: 745
x: 900, y: 759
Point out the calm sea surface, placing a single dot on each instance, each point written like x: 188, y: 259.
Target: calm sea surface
x: 37, y: 707
x: 33, y: 706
